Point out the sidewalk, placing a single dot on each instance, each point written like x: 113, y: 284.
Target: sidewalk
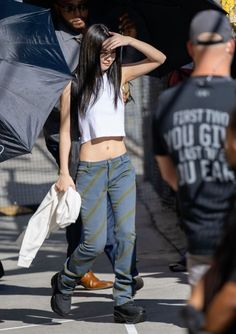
x: 25, y: 293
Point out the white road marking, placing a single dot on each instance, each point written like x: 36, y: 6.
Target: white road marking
x: 12, y: 328
x: 55, y: 320
x: 131, y: 329
x: 171, y: 304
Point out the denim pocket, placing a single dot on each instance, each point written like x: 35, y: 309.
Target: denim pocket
x: 82, y: 169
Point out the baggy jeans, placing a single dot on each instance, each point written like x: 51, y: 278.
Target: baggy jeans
x: 95, y: 182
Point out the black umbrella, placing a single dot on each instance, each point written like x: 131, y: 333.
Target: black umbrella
x: 33, y: 73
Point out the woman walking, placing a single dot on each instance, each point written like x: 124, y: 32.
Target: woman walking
x: 104, y: 167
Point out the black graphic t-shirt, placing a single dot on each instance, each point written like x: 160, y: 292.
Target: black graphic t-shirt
x: 189, y: 126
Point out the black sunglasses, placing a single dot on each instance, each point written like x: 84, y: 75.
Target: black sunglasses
x: 72, y: 8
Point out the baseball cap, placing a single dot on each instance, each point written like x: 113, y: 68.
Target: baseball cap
x: 210, y: 27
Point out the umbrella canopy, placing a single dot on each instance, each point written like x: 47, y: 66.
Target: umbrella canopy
x: 33, y: 73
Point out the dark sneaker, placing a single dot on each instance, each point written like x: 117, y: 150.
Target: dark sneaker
x: 178, y: 266
x: 1, y: 270
x: 138, y: 284
x: 129, y: 313
x: 60, y: 302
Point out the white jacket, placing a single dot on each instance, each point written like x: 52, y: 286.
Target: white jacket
x: 57, y: 210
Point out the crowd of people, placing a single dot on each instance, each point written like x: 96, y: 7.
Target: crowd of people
x: 194, y: 140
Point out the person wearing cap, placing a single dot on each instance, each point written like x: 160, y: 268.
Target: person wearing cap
x: 212, y: 304
x: 71, y: 19
x: 188, y: 137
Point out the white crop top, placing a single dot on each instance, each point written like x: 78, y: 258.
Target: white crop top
x: 102, y: 119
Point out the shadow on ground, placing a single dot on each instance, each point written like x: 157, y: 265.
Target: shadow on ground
x: 158, y: 310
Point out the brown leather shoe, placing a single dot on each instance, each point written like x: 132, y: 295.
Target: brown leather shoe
x: 90, y: 282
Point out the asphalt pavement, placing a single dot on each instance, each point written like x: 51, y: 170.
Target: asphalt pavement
x: 25, y: 293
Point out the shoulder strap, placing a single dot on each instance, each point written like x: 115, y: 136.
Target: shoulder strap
x: 74, y: 128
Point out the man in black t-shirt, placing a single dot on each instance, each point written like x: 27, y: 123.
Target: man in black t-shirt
x: 189, y: 131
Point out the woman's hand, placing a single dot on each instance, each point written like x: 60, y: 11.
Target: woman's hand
x: 115, y: 41
x: 64, y: 182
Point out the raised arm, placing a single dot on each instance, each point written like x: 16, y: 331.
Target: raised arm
x: 65, y: 180
x: 154, y: 57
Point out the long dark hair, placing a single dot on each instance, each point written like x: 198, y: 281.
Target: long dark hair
x: 89, y: 71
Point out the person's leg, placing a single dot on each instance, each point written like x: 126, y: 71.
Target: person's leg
x: 51, y: 133
x: 181, y: 265
x: 91, y: 183
x: 73, y: 236
x: 122, y: 191
x: 110, y: 249
x: 138, y: 282
x: 197, y: 266
x: 1, y: 270
x: 74, y: 231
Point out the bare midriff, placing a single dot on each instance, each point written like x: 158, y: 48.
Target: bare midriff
x: 103, y: 148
